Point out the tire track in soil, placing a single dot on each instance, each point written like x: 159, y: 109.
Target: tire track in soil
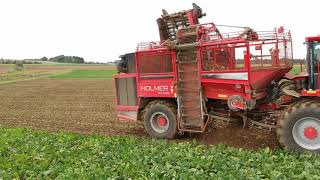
x: 87, y: 107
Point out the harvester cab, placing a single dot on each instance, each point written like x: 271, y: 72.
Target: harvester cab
x: 313, y: 61
x: 196, y: 75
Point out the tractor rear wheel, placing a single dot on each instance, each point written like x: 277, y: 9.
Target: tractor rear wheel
x: 299, y: 128
x: 160, y: 120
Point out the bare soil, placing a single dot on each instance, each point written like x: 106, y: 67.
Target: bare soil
x: 85, y: 106
x: 88, y: 107
x: 234, y: 135
x: 5, y: 68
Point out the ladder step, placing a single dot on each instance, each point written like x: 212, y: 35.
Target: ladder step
x: 188, y: 80
x: 191, y: 111
x: 183, y: 106
x: 191, y: 127
x: 188, y: 62
x: 192, y: 121
x: 188, y: 91
x: 193, y: 99
x: 193, y: 93
x: 195, y: 89
x: 181, y: 72
x: 190, y: 100
x: 191, y: 124
x: 191, y: 116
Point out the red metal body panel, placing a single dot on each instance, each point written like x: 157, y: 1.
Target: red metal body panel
x: 125, y: 118
x: 129, y: 108
x: 313, y: 38
x: 249, y: 65
x: 297, y: 77
x: 262, y: 77
x: 160, y: 89
x: 310, y: 93
x: 123, y: 75
x: 155, y: 84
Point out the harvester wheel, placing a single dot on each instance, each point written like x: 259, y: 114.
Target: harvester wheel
x: 298, y: 129
x: 160, y: 120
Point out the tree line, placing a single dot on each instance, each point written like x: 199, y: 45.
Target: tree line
x: 64, y: 59
x: 13, y: 61
x: 58, y: 59
x: 68, y: 59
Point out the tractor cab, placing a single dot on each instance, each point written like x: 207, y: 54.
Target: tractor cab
x: 313, y: 61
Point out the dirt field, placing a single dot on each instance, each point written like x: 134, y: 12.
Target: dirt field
x: 84, y: 106
x: 5, y: 68
x: 87, y: 106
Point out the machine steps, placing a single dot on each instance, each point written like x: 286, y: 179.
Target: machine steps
x: 189, y: 93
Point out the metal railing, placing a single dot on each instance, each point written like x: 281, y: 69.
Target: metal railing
x: 210, y: 33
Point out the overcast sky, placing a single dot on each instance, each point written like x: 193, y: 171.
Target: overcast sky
x: 101, y: 30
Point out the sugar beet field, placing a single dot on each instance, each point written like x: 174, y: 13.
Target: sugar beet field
x: 64, y: 126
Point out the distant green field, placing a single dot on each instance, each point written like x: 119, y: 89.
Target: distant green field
x: 30, y: 154
x: 58, y: 64
x: 17, y: 76
x: 98, y: 73
x: 87, y: 73
x: 296, y: 70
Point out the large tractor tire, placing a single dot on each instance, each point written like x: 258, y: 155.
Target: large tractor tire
x: 298, y: 130
x: 160, y: 120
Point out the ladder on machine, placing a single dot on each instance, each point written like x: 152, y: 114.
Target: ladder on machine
x: 191, y: 110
